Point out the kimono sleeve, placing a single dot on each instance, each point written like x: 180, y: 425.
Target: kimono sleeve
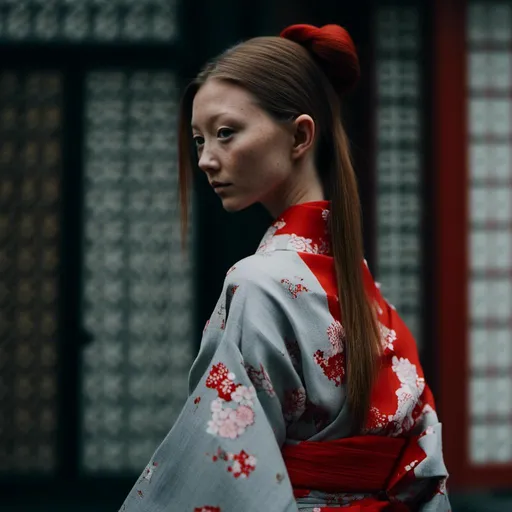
x: 428, y: 487
x: 223, y: 454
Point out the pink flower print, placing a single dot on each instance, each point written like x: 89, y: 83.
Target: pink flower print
x: 244, y: 395
x: 260, y: 379
x: 229, y: 428
x: 229, y: 423
x: 207, y: 508
x: 243, y: 465
x: 294, y: 289
x: 336, y: 335
x: 244, y: 416
x: 294, y: 403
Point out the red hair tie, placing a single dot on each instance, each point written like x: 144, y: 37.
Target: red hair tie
x: 334, y: 49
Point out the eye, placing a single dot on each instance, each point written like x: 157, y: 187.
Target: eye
x: 224, y: 133
x: 198, y: 141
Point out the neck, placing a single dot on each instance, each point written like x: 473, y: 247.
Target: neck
x: 304, y: 187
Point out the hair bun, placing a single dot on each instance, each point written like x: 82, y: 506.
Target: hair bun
x: 334, y: 50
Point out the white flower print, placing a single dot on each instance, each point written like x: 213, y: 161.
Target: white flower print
x: 229, y: 423
x: 407, y: 374
x: 267, y: 242
x: 336, y: 334
x: 387, y: 337
x: 244, y: 395
x: 231, y: 411
x: 301, y: 244
x: 216, y: 405
x: 409, y: 392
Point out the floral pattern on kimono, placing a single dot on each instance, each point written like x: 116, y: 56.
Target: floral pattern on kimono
x: 270, y: 371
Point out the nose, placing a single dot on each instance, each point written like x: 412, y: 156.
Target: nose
x: 208, y: 162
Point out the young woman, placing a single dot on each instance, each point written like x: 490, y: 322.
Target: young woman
x: 307, y: 393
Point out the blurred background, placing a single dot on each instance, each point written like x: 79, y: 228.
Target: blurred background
x: 100, y: 312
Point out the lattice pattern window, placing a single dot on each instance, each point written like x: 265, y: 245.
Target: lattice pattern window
x: 490, y: 236
x: 30, y: 191
x: 399, y: 204
x: 88, y: 20
x: 138, y: 287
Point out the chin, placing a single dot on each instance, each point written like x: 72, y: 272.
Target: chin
x: 231, y: 205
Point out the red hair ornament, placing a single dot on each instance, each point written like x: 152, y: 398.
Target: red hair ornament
x: 333, y: 49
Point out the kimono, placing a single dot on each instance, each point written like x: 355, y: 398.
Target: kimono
x: 269, y: 380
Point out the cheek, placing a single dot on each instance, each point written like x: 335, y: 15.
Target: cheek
x: 264, y: 158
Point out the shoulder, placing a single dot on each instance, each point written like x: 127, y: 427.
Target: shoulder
x: 259, y: 272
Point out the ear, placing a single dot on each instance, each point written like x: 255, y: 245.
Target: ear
x: 304, y: 135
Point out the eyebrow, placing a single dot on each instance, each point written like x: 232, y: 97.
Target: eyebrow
x: 211, y: 120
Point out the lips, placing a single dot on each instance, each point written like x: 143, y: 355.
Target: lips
x: 218, y: 185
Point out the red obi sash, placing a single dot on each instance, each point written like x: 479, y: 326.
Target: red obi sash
x: 363, y: 464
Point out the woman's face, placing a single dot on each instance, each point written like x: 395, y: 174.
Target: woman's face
x: 246, y: 155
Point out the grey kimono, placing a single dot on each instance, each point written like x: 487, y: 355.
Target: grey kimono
x: 271, y: 371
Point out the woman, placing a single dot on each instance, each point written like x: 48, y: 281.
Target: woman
x: 307, y: 393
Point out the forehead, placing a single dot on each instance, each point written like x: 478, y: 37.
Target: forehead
x: 217, y: 98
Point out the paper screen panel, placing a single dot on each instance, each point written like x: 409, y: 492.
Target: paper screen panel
x: 137, y: 284
x: 399, y: 173
x: 78, y: 21
x: 30, y: 197
x: 489, y: 28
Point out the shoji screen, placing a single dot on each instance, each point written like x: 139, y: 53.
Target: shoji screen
x: 30, y: 257
x: 137, y: 284
x: 474, y: 152
x: 399, y: 160
x: 79, y: 21
x: 490, y: 231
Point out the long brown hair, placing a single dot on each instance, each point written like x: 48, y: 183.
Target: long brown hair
x: 304, y: 72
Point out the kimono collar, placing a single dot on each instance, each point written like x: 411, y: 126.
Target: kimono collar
x: 300, y: 228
